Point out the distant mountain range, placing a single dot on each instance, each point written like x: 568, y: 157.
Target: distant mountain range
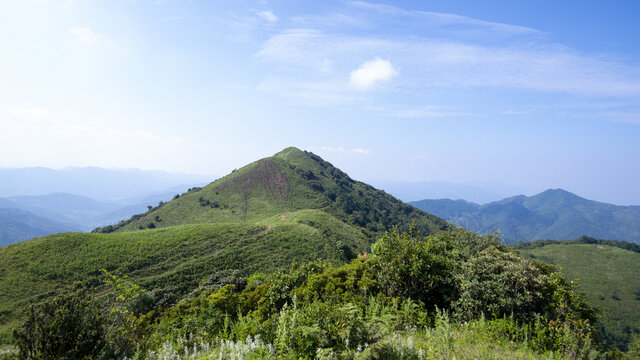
x: 411, y: 191
x: 552, y: 214
x: 92, y: 182
x: 37, y: 203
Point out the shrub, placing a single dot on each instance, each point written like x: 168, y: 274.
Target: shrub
x: 68, y: 326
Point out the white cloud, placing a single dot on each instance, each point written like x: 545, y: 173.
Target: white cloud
x: 83, y: 35
x: 372, y: 72
x: 437, y: 64
x: 268, y: 15
x: 445, y: 55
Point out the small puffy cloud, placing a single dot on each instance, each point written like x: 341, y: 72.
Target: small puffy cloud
x: 370, y: 73
x: 268, y: 15
x: 83, y: 35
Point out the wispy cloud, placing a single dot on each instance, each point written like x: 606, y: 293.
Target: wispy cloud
x: 83, y: 35
x: 370, y: 73
x: 357, y: 151
x: 268, y: 15
x: 249, y: 24
x: 321, y: 58
x: 429, y: 63
x: 450, y: 22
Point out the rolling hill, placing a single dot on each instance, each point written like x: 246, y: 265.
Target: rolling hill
x: 552, y: 214
x: 609, y: 277
x: 292, y: 207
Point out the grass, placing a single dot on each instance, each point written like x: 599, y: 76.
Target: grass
x: 608, y: 276
x: 178, y: 256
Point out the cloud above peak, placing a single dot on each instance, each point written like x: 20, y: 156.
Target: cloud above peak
x: 370, y: 73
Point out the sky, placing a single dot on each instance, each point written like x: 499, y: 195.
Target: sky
x: 520, y: 94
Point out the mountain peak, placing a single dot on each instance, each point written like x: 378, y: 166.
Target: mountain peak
x: 290, y: 181
x: 286, y: 152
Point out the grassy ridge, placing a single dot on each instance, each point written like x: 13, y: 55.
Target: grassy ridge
x: 178, y: 256
x: 291, y: 180
x: 609, y: 277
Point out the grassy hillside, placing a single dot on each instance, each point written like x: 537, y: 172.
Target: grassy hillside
x: 552, y: 214
x: 609, y: 277
x: 450, y: 295
x: 177, y: 257
x: 289, y: 181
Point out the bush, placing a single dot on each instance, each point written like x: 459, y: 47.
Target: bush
x: 68, y: 326
x: 422, y: 269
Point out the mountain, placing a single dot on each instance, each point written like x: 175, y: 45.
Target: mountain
x: 289, y: 181
x: 92, y: 182
x: 290, y: 208
x: 606, y: 274
x: 552, y: 214
x: 18, y: 225
x: 68, y: 208
x: 411, y: 191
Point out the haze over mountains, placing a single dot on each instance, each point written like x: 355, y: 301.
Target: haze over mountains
x: 552, y: 214
x: 40, y: 201
x: 120, y: 185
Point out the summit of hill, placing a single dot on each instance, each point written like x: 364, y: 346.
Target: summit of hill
x: 289, y: 181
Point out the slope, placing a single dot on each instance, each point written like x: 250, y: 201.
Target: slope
x: 552, y: 214
x: 176, y: 257
x: 610, y: 278
x: 291, y: 180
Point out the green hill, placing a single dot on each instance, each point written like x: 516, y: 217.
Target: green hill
x: 177, y: 257
x: 292, y: 207
x: 291, y: 180
x: 608, y: 275
x: 552, y: 214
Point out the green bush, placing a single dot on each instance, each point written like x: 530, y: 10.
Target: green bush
x: 68, y: 326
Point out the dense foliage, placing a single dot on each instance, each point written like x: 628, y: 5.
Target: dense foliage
x: 412, y: 298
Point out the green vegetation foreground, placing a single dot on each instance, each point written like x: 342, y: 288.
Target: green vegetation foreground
x: 453, y: 294
x: 607, y: 274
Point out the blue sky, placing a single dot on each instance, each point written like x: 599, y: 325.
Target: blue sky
x: 533, y: 95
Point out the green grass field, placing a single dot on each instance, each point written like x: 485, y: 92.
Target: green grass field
x: 178, y: 256
x: 608, y: 276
